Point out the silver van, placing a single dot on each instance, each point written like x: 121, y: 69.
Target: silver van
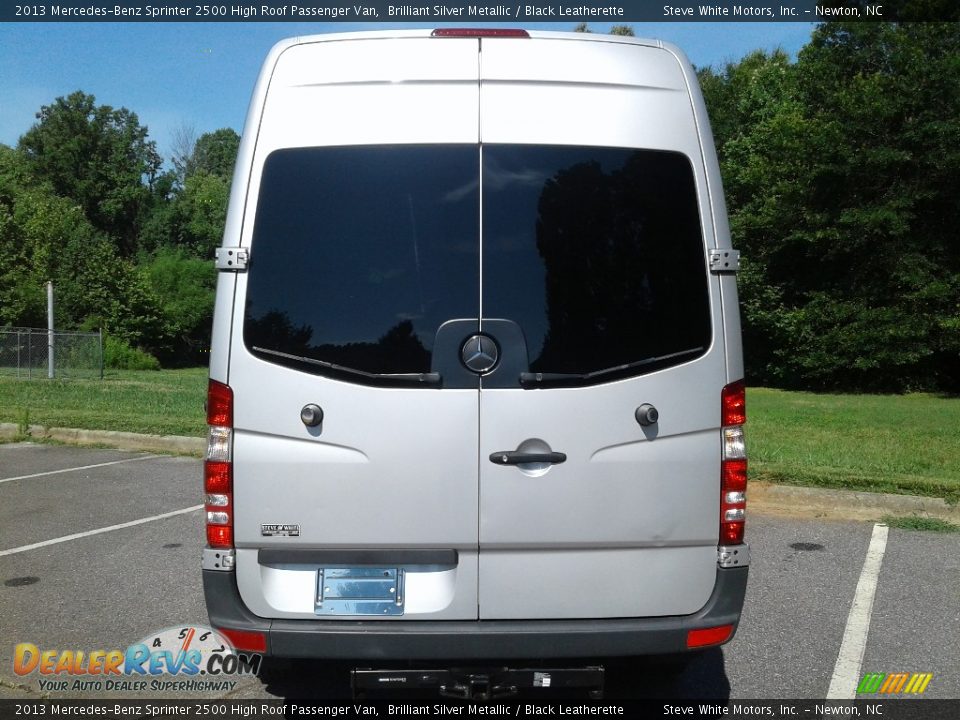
x: 476, y: 373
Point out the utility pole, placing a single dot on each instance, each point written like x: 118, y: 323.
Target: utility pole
x: 50, y: 329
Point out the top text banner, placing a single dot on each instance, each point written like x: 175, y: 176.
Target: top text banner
x: 427, y: 12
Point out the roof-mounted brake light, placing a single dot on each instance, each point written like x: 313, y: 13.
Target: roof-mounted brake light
x: 480, y: 33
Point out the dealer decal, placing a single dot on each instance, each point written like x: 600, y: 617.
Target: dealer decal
x: 285, y: 530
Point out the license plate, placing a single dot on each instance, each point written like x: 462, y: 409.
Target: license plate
x: 359, y: 591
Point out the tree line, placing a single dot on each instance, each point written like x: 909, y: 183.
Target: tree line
x: 84, y: 202
x: 841, y: 171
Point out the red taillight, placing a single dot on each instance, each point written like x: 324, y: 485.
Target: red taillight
x: 217, y: 477
x: 219, y: 404
x: 734, y: 475
x: 733, y: 402
x: 733, y: 464
x: 480, y: 32
x: 703, y: 636
x: 731, y: 533
x: 220, y: 536
x: 218, y: 466
x: 248, y: 640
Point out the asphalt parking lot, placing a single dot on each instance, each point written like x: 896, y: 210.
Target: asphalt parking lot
x: 100, y: 548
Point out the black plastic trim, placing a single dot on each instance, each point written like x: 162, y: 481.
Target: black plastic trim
x: 332, y: 558
x: 445, y: 357
x: 515, y: 457
x: 513, y: 353
x: 475, y: 639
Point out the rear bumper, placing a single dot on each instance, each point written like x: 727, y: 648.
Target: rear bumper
x: 477, y: 639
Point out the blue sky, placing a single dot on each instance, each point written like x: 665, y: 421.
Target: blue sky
x: 200, y: 75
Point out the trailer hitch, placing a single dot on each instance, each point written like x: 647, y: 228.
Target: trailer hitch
x: 479, y: 684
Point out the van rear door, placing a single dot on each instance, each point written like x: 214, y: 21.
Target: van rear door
x: 362, y: 219
x: 596, y: 219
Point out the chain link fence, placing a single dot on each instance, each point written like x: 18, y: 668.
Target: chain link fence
x: 26, y: 353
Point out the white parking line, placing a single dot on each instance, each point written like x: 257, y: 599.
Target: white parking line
x: 846, y: 673
x: 88, y: 533
x: 74, y: 469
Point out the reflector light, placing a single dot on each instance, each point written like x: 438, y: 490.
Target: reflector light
x: 220, y: 536
x: 706, y: 636
x: 480, y: 32
x: 248, y: 640
x: 731, y: 533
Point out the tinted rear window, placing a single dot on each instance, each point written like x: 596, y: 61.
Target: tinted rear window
x: 361, y: 253
x: 597, y: 253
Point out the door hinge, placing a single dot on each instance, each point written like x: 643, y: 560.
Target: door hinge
x: 724, y: 260
x: 733, y: 556
x: 232, y: 258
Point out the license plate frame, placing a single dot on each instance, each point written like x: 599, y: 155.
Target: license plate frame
x: 359, y: 591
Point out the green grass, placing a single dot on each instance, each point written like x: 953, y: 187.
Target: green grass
x: 907, y: 444
x: 884, y: 443
x: 915, y: 522
x: 167, y: 402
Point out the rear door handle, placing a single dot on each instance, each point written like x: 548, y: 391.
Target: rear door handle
x: 513, y: 457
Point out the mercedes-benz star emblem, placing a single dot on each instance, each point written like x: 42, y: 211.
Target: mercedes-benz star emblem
x: 479, y: 353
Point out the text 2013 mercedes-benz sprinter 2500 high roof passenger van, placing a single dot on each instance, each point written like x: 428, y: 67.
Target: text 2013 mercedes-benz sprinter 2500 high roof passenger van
x: 476, y: 374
